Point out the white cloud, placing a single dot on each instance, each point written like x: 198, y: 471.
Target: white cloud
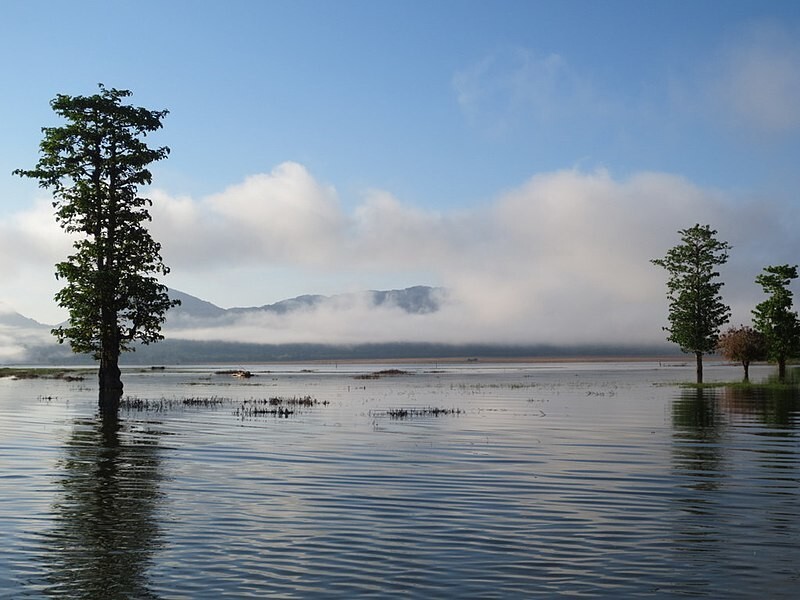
x: 31, y: 243
x: 281, y: 215
x: 563, y: 258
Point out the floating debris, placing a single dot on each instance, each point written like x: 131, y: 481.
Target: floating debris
x: 236, y: 373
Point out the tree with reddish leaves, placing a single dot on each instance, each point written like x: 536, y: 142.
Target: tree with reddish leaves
x: 744, y: 345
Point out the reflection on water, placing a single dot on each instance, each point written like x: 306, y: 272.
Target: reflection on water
x: 697, y: 452
x: 106, y: 529
x: 773, y: 406
x: 548, y: 481
x: 735, y: 455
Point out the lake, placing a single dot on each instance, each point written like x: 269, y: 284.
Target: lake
x: 461, y: 481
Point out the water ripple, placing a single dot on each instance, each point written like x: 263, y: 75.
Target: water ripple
x: 543, y: 483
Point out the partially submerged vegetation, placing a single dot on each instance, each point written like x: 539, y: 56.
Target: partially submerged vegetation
x: 132, y: 403
x: 383, y: 373
x: 44, y: 373
x: 277, y: 406
x: 253, y: 407
x: 407, y: 413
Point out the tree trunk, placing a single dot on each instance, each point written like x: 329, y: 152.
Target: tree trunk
x: 699, y: 356
x: 110, y: 379
x: 746, y: 365
x: 109, y: 375
x: 782, y: 368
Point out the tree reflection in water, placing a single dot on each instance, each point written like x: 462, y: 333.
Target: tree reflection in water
x: 734, y: 457
x: 106, y: 525
x: 698, y: 426
x: 776, y: 406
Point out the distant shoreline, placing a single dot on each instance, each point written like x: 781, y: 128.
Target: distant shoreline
x: 477, y: 360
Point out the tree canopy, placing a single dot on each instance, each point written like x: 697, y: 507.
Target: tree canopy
x: 774, y: 316
x: 744, y: 345
x: 94, y: 165
x: 696, y: 309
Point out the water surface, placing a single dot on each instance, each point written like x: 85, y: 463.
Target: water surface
x: 603, y: 480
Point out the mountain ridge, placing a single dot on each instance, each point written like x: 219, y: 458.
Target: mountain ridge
x: 27, y: 340
x: 418, y: 299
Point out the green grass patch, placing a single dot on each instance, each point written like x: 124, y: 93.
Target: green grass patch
x: 44, y: 373
x: 742, y: 385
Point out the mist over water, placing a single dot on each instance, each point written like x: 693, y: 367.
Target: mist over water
x: 449, y: 480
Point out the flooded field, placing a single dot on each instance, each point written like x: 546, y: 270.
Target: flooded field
x: 603, y: 480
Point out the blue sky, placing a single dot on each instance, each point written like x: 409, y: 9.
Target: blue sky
x: 406, y: 119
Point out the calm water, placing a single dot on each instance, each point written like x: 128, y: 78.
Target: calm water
x: 531, y: 480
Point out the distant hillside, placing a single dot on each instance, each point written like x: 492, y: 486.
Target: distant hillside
x: 190, y: 305
x: 414, y: 300
x: 25, y: 340
x: 14, y: 319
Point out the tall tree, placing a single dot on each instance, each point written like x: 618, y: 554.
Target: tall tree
x: 743, y: 344
x: 94, y: 165
x: 774, y: 316
x: 696, y: 309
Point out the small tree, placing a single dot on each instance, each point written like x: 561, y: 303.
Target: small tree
x: 696, y: 310
x: 743, y: 344
x: 774, y: 316
x: 94, y: 165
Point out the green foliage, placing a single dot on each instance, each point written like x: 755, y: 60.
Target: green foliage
x: 696, y: 310
x: 94, y: 165
x: 774, y: 316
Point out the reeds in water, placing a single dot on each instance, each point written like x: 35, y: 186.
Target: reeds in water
x: 407, y: 413
x: 170, y: 404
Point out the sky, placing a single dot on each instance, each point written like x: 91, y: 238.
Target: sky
x: 530, y: 157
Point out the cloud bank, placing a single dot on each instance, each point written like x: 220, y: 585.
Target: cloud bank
x: 561, y: 259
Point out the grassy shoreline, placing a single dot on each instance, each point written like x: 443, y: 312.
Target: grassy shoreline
x: 78, y: 374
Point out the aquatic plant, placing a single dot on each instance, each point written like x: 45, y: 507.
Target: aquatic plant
x: 406, y: 413
x: 133, y: 403
x: 257, y: 411
x: 383, y: 373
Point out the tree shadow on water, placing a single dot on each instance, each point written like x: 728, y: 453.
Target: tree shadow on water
x: 106, y: 529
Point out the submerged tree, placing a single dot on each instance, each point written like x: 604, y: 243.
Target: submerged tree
x: 774, y: 316
x: 94, y: 165
x: 696, y: 310
x: 743, y: 344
